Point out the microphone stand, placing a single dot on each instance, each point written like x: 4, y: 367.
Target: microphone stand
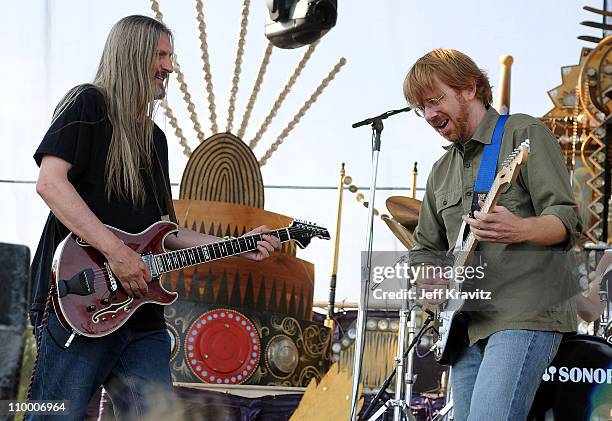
x: 377, y: 128
x: 401, y: 406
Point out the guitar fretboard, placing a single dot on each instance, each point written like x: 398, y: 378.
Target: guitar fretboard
x: 179, y: 259
x: 470, y: 243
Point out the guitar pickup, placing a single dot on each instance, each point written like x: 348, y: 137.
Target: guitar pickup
x: 80, y: 284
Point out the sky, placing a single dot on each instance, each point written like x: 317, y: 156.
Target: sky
x: 51, y: 46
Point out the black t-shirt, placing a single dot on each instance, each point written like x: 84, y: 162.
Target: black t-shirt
x: 81, y: 135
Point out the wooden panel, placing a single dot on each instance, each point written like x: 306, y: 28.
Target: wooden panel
x: 281, y: 284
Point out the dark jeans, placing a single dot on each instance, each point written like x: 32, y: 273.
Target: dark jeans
x: 132, y: 365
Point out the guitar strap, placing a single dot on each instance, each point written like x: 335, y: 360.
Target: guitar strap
x: 488, y: 163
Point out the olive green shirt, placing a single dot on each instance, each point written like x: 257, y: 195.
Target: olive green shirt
x: 531, y: 285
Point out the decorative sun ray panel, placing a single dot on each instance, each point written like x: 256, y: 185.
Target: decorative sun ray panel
x: 241, y: 181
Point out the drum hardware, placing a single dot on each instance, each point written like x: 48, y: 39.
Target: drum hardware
x: 443, y: 383
x: 446, y: 388
x: 404, y: 379
x: 603, y: 326
x: 444, y: 411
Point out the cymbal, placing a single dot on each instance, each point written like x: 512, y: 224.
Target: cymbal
x: 405, y: 210
x: 401, y: 233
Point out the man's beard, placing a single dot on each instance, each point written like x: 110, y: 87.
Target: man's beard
x: 159, y: 92
x: 460, y: 134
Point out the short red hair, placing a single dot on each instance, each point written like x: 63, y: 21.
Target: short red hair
x: 452, y: 67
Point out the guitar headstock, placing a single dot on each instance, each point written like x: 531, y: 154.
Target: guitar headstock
x: 302, y: 232
x: 513, y: 164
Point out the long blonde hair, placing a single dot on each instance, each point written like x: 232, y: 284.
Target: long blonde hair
x: 124, y: 78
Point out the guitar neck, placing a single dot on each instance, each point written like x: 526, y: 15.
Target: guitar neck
x: 470, y: 243
x: 180, y: 259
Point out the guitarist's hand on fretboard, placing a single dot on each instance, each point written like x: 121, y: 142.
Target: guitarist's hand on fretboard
x: 265, y: 247
x: 498, y: 226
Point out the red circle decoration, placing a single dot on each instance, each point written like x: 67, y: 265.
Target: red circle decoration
x: 222, y: 347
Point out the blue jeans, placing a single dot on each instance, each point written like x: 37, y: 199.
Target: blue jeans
x: 497, y: 378
x: 132, y: 365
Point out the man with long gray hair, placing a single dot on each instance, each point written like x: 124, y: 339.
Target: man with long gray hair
x: 104, y: 162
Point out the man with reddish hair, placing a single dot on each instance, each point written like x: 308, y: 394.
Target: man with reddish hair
x: 507, y: 347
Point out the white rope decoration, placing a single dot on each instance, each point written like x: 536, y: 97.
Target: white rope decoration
x: 238, y: 65
x: 249, y: 108
x: 177, y: 130
x: 193, y: 116
x: 187, y: 98
x: 283, y: 94
x: 206, y: 67
x: 296, y: 119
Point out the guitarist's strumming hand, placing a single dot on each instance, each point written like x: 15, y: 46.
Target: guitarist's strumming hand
x: 264, y: 247
x: 498, y: 226
x: 431, y: 286
x: 129, y: 269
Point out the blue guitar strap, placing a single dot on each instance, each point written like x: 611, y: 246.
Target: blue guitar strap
x: 488, y: 163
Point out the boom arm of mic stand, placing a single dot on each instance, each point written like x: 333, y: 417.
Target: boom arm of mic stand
x: 385, y: 385
x: 383, y: 116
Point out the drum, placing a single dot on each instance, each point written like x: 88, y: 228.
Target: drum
x: 578, y: 383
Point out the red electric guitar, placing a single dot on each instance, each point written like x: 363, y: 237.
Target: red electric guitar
x: 89, y: 300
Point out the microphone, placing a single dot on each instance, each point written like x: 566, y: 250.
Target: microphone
x: 383, y: 116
